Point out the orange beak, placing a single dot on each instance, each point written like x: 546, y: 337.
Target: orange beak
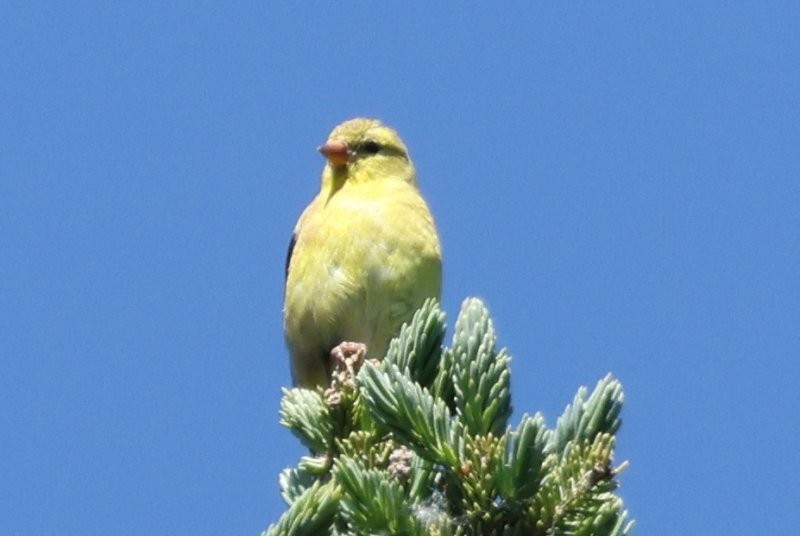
x: 335, y: 151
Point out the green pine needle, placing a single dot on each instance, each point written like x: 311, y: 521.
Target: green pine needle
x: 525, y: 453
x: 584, y: 419
x: 411, y: 413
x: 304, y: 412
x: 371, y: 502
x: 481, y: 374
x: 418, y: 347
x: 311, y: 513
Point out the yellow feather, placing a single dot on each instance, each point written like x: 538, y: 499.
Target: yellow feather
x: 366, y: 254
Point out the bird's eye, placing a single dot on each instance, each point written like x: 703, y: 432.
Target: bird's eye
x: 370, y: 147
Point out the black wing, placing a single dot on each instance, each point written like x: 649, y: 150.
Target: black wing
x: 292, y: 242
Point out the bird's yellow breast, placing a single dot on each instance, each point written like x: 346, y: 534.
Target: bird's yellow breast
x: 366, y: 256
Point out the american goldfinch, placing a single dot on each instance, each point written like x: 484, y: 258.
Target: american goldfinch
x: 364, y: 255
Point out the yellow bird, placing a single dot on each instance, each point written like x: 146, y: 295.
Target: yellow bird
x: 364, y: 255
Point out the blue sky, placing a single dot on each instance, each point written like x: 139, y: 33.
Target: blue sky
x: 618, y: 182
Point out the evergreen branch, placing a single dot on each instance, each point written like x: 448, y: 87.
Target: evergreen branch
x: 304, y: 412
x: 523, y: 467
x: 585, y: 419
x: 411, y: 413
x: 482, y: 377
x: 294, y: 483
x: 311, y: 513
x: 418, y: 347
x: 576, y: 496
x: 372, y: 503
x: 419, y: 444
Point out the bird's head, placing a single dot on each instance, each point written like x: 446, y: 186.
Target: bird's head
x: 361, y: 150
